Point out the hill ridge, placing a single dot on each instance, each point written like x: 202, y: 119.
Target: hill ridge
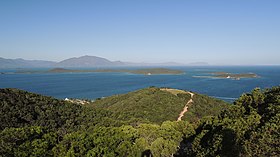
x: 160, y: 104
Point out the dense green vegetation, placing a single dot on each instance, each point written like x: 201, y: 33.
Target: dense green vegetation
x: 36, y: 125
x: 204, y: 106
x: 21, y: 108
x: 251, y: 127
x: 154, y: 105
x: 149, y: 104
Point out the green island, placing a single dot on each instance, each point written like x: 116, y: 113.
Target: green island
x: 226, y: 75
x: 147, y: 71
x: 157, y: 122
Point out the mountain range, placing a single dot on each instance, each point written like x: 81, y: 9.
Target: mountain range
x: 21, y: 63
x: 83, y: 61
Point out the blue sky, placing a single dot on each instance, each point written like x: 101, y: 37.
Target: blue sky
x: 216, y: 31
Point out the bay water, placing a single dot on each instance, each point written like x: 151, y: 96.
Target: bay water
x: 97, y: 85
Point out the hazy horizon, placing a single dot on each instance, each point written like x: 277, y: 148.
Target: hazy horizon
x: 171, y: 62
x: 217, y: 32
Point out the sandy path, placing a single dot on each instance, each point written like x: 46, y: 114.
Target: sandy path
x: 186, y: 107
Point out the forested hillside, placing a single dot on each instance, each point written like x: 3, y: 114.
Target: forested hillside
x: 156, y: 105
x: 251, y: 127
x: 140, y: 123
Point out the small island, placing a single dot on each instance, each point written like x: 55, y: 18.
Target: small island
x: 233, y: 76
x: 147, y: 71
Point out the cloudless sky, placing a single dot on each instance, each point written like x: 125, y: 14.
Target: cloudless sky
x: 214, y: 31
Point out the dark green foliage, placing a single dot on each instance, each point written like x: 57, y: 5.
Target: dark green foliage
x: 27, y: 141
x: 156, y: 106
x: 35, y: 125
x: 124, y: 141
x: 110, y: 141
x: 20, y: 108
x: 137, y: 124
x: 150, y: 104
x: 249, y: 128
x: 204, y: 106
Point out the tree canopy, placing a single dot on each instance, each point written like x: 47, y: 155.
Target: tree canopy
x: 36, y: 125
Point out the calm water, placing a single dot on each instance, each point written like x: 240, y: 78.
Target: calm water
x: 95, y: 85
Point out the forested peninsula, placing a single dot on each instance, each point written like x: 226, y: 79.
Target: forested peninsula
x: 148, y: 71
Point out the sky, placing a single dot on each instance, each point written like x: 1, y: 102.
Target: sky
x: 231, y: 32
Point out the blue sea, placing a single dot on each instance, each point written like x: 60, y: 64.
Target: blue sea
x: 96, y: 85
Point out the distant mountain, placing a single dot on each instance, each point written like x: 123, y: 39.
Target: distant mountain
x: 93, y: 61
x: 21, y: 63
x: 88, y: 61
x: 75, y: 62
